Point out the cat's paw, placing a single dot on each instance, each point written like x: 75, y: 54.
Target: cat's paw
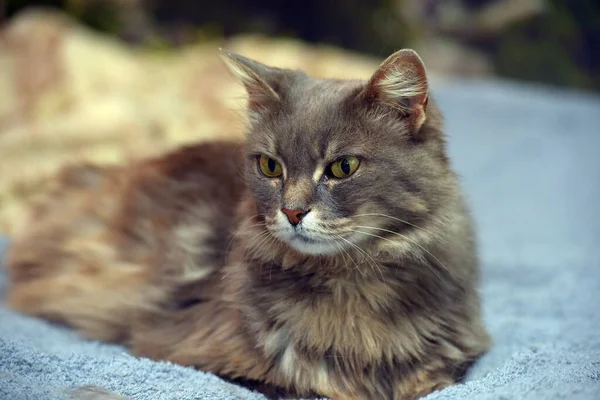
x: 420, y: 384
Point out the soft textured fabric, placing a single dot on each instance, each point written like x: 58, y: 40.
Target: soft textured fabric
x: 530, y: 165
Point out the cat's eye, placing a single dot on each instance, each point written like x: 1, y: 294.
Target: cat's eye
x: 269, y: 167
x: 344, y: 167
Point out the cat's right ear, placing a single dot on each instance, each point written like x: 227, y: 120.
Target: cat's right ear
x: 400, y: 82
x: 259, y: 80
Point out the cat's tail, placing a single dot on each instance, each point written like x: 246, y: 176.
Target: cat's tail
x: 64, y: 264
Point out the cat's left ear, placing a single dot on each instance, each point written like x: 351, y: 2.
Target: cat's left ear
x: 400, y: 82
x: 261, y: 81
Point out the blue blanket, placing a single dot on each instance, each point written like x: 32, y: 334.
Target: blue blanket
x: 529, y: 158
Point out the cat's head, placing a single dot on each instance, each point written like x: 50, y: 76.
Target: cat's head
x: 334, y: 164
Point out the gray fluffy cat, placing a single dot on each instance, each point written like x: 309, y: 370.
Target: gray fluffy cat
x: 330, y: 254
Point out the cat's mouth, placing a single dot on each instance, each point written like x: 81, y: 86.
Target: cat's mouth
x: 304, y: 239
x: 304, y: 242
x: 307, y: 237
x: 308, y: 242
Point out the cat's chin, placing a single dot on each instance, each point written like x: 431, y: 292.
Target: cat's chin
x: 313, y: 247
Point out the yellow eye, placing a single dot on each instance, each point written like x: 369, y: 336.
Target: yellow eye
x: 344, y: 167
x: 269, y: 167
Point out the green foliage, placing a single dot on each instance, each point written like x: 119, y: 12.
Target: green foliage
x: 558, y: 47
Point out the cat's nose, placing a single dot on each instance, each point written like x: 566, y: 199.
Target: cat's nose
x: 294, y: 216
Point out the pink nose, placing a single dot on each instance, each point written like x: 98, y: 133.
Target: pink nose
x: 294, y: 216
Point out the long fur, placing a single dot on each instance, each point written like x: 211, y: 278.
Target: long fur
x: 187, y: 257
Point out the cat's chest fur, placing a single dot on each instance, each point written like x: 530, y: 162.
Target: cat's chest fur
x: 324, y: 331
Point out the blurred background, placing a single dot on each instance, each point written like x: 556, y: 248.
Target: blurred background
x: 112, y: 80
x: 550, y: 41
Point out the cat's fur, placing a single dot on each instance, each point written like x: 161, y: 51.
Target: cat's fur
x: 188, y: 258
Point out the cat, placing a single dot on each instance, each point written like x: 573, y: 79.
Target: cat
x: 328, y: 253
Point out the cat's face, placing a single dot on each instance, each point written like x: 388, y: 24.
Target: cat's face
x: 332, y: 166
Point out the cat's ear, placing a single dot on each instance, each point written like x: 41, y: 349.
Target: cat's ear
x: 400, y: 82
x: 260, y: 81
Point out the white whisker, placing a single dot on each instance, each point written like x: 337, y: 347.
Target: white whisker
x: 243, y: 229
x: 409, y: 239
x: 348, y: 254
x: 394, y: 218
x: 406, y: 238
x: 253, y: 247
x: 367, y: 255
